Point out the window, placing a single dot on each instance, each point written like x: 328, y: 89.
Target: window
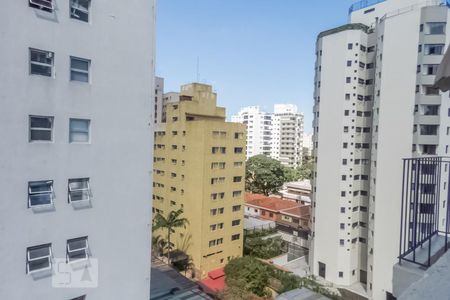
x: 238, y: 150
x: 341, y: 242
x: 435, y: 28
x: 39, y: 258
x: 215, y: 150
x: 428, y: 129
x: 371, y: 49
x: 41, y: 128
x: 348, y: 80
x: 79, y: 131
x: 212, y: 243
x: 45, y: 5
x: 350, y: 46
x: 79, y: 9
x: 341, y: 274
x: 238, y: 164
x: 430, y: 90
x: 347, y: 96
x: 349, y: 63
x: 235, y: 222
x: 238, y: 135
x: 41, y: 62
x: 430, y: 69
x: 79, y: 190
x: 79, y: 69
x: 235, y: 237
x: 237, y: 193
x: 213, y: 212
x: 237, y: 178
x: 40, y: 193
x: 429, y: 110
x: 434, y: 49
x: 370, y: 66
x: 213, y: 227
x: 77, y: 249
x: 221, y: 210
x: 236, y: 208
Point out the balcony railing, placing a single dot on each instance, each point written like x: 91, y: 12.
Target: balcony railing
x: 363, y: 4
x: 423, y: 238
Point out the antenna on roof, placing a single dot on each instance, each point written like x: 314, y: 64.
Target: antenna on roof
x: 198, y: 69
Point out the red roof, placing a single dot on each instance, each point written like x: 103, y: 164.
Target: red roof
x: 215, y: 282
x: 269, y: 203
x: 250, y: 196
x: 300, y: 211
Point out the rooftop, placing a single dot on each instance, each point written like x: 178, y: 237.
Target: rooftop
x: 299, y: 211
x: 269, y: 203
x: 363, y: 4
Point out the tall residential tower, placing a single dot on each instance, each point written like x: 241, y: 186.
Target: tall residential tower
x: 374, y: 106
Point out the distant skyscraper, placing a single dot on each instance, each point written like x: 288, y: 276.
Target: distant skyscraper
x: 76, y: 96
x: 259, y: 130
x: 374, y: 94
x: 287, y: 135
x: 278, y: 135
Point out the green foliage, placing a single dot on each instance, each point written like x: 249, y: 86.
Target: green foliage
x: 248, y: 275
x: 301, y: 173
x: 251, y: 233
x: 263, y: 175
x: 264, y: 248
x: 173, y: 220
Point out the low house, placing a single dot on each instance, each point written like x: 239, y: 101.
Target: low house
x: 266, y: 207
x: 298, y: 191
x: 290, y: 217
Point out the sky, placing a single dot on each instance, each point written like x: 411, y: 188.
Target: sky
x: 253, y: 52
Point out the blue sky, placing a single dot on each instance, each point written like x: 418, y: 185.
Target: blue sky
x: 253, y: 52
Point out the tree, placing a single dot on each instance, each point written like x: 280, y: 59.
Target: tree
x: 158, y: 244
x: 248, y: 275
x: 172, y: 221
x: 263, y: 175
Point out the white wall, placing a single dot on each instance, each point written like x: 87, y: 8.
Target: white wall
x: 119, y: 101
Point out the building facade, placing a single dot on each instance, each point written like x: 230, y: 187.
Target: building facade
x: 259, y: 130
x: 73, y: 194
x: 199, y: 166
x: 374, y: 106
x: 278, y: 135
x: 287, y: 135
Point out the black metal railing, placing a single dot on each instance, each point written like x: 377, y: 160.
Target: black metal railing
x: 422, y: 236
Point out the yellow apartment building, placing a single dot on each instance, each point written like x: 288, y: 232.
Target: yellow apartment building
x: 199, y: 166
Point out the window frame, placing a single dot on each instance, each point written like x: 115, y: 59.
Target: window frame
x: 78, y: 131
x: 73, y: 11
x: 49, y: 55
x: 30, y: 260
x: 31, y: 129
x: 87, y: 190
x: 49, y: 192
x: 85, y: 249
x: 80, y: 71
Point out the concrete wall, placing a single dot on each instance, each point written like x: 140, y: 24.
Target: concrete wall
x: 117, y: 160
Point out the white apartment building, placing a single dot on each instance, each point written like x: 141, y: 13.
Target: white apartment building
x: 374, y: 106
x: 259, y: 130
x: 159, y: 96
x: 287, y: 135
x: 278, y: 134
x: 76, y: 150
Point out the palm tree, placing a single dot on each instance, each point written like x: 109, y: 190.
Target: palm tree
x: 172, y: 221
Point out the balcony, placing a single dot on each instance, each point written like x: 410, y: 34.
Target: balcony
x: 424, y: 227
x: 420, y: 230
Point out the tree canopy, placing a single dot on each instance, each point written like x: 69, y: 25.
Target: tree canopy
x: 248, y: 275
x: 264, y: 175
